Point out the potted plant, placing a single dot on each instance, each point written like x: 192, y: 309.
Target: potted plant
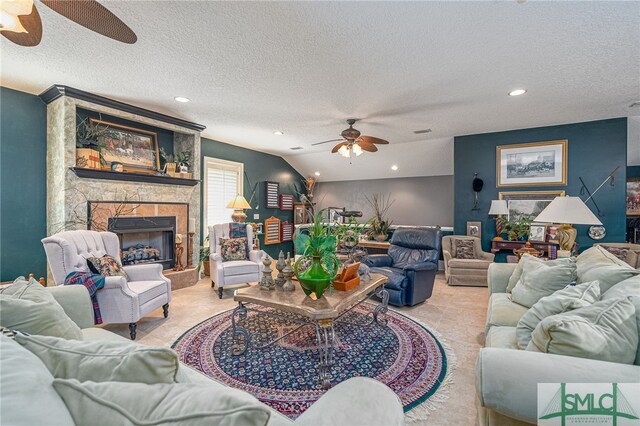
x: 203, y: 264
x: 379, y: 224
x: 184, y: 161
x: 169, y: 162
x: 517, y: 230
x: 318, y: 266
x: 88, y: 146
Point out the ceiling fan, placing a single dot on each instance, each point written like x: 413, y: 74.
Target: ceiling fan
x: 20, y: 21
x: 354, y: 143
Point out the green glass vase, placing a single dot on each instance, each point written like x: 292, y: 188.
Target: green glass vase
x: 315, y: 279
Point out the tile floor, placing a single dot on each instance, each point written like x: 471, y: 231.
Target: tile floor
x: 457, y: 313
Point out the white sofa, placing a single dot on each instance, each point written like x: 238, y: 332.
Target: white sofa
x: 357, y: 401
x: 507, y: 378
x: 120, y: 301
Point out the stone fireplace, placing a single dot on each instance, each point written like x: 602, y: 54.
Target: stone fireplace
x: 74, y: 200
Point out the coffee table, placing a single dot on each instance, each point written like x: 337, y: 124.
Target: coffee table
x: 302, y: 310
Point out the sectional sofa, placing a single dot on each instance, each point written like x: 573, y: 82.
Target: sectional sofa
x: 507, y: 377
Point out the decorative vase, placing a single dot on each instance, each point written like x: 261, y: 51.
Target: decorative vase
x: 315, y: 279
x: 205, y: 267
x: 381, y: 237
x: 171, y: 169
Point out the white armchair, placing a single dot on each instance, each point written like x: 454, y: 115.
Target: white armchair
x: 236, y: 271
x: 120, y: 301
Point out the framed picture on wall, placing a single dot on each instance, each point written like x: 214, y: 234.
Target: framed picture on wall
x: 474, y: 229
x: 527, y: 204
x: 271, y: 194
x: 633, y: 197
x: 532, y: 164
x: 135, y: 149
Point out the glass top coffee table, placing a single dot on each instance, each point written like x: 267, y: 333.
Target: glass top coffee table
x: 303, y: 311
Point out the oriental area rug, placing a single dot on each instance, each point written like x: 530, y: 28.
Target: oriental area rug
x: 404, y: 355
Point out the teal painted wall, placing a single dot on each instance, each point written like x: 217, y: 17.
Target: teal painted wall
x: 595, y: 149
x: 23, y: 151
x: 258, y: 167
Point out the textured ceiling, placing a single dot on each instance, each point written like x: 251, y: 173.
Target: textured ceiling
x: 253, y: 68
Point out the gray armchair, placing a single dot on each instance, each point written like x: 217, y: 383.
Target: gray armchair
x: 120, y: 300
x: 462, y: 271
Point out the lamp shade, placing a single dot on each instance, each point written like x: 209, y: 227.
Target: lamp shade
x: 498, y: 207
x: 569, y: 210
x: 238, y: 203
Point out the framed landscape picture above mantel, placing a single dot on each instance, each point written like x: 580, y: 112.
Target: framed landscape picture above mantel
x: 633, y: 197
x: 135, y: 149
x: 532, y: 164
x: 528, y: 204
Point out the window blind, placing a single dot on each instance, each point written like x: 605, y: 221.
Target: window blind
x: 223, y: 184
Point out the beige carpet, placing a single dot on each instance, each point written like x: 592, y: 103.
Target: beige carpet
x: 457, y: 313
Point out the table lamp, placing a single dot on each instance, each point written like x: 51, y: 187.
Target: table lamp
x: 567, y: 211
x: 238, y: 204
x: 498, y: 209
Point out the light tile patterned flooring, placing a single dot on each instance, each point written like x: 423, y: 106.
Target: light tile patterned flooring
x: 457, y: 313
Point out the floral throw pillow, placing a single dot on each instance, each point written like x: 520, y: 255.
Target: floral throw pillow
x: 106, y: 265
x: 233, y: 249
x: 464, y: 249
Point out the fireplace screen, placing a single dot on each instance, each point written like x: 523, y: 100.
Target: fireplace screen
x: 145, y: 239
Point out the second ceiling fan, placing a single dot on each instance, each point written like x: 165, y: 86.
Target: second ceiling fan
x: 353, y: 143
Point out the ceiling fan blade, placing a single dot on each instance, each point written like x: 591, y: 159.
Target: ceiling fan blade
x: 32, y: 24
x: 332, y: 140
x: 371, y: 139
x: 337, y: 147
x: 367, y: 146
x: 94, y: 16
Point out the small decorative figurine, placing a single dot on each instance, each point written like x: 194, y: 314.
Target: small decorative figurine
x: 280, y: 266
x: 266, y: 283
x: 287, y: 271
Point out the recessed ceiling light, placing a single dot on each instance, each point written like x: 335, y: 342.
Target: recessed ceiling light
x: 394, y: 167
x: 278, y: 133
x: 182, y: 99
x: 517, y: 92
x: 317, y: 173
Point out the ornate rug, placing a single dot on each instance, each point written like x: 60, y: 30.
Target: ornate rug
x: 404, y: 355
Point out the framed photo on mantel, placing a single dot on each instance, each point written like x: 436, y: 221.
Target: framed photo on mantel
x: 532, y: 164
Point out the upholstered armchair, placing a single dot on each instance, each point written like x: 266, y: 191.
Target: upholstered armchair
x: 463, y: 266
x: 410, y: 265
x: 234, y: 271
x: 120, y: 301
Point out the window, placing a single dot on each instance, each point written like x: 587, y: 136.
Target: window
x: 223, y: 181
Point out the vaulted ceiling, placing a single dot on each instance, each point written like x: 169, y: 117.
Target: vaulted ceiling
x: 303, y: 68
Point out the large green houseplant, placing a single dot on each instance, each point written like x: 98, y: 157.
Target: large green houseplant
x: 318, y: 266
x: 379, y: 223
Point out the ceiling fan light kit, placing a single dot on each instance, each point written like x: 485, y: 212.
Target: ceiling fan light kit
x: 353, y: 143
x: 10, y: 10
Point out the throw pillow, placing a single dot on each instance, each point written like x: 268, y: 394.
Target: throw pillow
x: 106, y: 265
x: 233, y: 249
x: 517, y: 273
x: 619, y: 252
x: 609, y: 275
x: 567, y: 299
x: 110, y: 403
x: 539, y: 280
x: 605, y: 331
x: 628, y: 288
x: 103, y: 361
x: 596, y: 257
x: 27, y: 395
x: 28, y: 307
x: 464, y: 249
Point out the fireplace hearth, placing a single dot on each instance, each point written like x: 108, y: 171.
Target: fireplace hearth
x: 145, y: 239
